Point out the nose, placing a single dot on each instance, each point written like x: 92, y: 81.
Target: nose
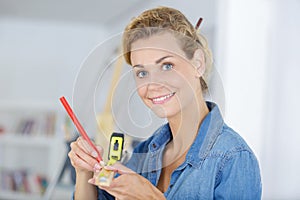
x: 153, y: 81
x: 154, y: 86
x: 156, y: 82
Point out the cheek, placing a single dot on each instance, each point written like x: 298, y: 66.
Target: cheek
x: 142, y: 91
x: 189, y: 79
x: 187, y: 86
x: 178, y: 80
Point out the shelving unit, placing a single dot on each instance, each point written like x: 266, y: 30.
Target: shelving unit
x: 32, y: 149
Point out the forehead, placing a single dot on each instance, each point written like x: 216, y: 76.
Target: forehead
x: 154, y: 47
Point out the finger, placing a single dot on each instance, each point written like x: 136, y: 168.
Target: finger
x: 87, y: 147
x: 92, y: 181
x: 119, y: 168
x: 80, y: 150
x: 119, y: 171
x: 77, y: 162
x: 119, y: 187
x: 91, y: 161
x: 77, y: 155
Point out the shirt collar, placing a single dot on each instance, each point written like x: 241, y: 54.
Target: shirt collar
x: 208, y: 132
x: 160, y: 138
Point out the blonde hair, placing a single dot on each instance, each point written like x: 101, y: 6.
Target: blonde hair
x: 164, y: 19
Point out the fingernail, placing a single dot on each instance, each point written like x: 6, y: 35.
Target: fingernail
x: 109, y: 168
x: 94, y: 154
x: 97, y: 166
x: 102, y: 163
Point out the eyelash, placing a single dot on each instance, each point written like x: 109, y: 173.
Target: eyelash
x: 138, y: 73
x: 164, y: 64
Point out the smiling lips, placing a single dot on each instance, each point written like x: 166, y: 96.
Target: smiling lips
x: 162, y: 99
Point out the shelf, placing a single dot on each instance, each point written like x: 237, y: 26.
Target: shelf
x: 55, y: 157
x: 32, y: 140
x: 24, y: 140
x: 9, y: 195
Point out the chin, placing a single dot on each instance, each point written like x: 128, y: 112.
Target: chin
x: 161, y: 112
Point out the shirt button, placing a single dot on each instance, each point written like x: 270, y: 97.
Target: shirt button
x: 154, y: 145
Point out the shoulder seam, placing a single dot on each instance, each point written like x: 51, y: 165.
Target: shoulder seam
x: 226, y: 158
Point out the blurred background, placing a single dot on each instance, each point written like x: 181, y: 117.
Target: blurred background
x: 43, y: 51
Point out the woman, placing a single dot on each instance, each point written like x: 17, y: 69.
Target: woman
x: 195, y: 155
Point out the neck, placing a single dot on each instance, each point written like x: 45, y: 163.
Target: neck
x: 184, y: 127
x: 188, y: 119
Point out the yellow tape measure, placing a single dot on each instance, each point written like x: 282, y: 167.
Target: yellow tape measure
x: 115, y: 148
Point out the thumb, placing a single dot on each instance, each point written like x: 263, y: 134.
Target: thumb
x: 119, y: 168
x: 92, y: 181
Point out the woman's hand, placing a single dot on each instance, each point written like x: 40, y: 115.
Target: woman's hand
x: 83, y: 156
x: 130, y: 185
x: 83, y: 159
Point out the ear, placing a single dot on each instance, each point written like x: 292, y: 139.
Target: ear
x: 199, y: 62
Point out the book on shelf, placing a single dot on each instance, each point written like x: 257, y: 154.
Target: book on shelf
x: 2, y: 129
x: 22, y: 181
x: 43, y: 125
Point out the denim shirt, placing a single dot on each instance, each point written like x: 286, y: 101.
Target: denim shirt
x: 218, y: 165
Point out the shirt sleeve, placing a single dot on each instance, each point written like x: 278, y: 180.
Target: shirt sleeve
x: 239, y: 177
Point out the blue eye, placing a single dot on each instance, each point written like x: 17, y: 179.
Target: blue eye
x: 141, y: 74
x: 167, y: 66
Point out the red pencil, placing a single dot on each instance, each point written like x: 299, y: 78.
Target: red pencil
x: 78, y: 126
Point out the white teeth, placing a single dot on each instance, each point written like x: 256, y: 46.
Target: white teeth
x: 163, y: 98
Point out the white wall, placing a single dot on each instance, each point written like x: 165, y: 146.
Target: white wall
x: 242, y: 49
x: 39, y: 59
x: 280, y: 155
x: 258, y: 49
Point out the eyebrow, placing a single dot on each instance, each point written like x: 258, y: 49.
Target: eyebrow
x: 156, y: 62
